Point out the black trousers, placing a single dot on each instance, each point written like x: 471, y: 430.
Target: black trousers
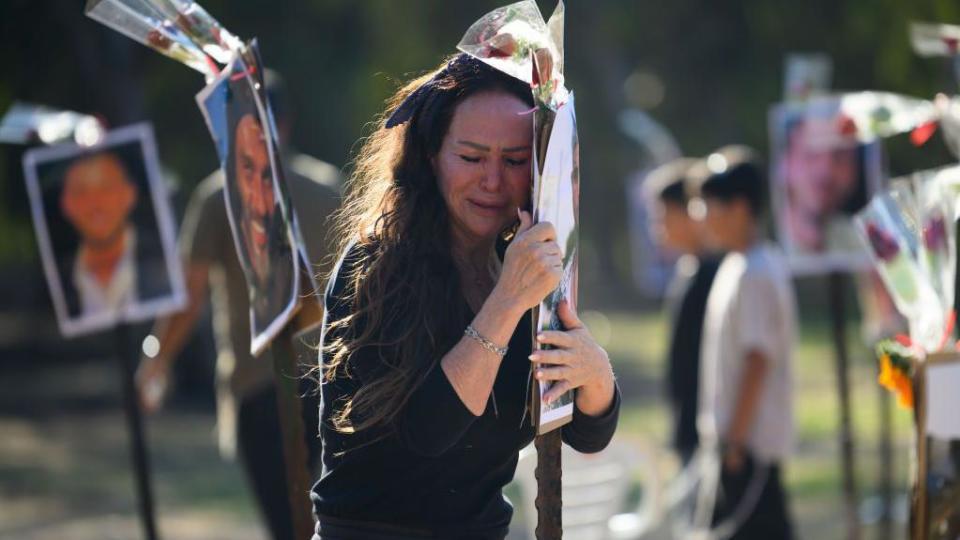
x: 260, y: 449
x: 769, y: 518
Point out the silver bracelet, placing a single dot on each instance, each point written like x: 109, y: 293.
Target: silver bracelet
x: 472, y: 333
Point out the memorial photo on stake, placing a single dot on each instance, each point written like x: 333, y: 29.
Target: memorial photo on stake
x: 103, y: 223
x: 821, y: 175
x: 558, y: 202
x: 262, y: 233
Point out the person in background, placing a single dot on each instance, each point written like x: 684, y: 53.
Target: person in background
x: 666, y: 193
x: 746, y: 391
x: 246, y: 394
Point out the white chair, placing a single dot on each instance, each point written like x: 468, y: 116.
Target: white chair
x: 596, y: 488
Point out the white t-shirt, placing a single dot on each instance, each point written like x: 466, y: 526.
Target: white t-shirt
x: 119, y: 293
x: 751, y: 307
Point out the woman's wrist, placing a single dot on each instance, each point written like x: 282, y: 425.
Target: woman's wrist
x: 497, y: 319
x: 504, y: 304
x: 595, y: 398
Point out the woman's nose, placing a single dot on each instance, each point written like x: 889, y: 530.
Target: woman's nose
x: 492, y: 176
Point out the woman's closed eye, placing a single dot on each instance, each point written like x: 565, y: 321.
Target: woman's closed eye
x: 470, y: 159
x: 517, y: 162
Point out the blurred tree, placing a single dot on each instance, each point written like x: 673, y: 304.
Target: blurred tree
x: 706, y: 69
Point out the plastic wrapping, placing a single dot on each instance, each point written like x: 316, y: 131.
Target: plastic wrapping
x: 893, y: 243
x: 884, y: 114
x: 179, y: 29
x: 517, y: 41
x: 24, y: 123
x: 936, y: 213
x: 932, y: 39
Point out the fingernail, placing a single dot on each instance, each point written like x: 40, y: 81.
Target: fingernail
x: 540, y: 337
x: 519, y: 215
x: 539, y: 374
x: 534, y: 357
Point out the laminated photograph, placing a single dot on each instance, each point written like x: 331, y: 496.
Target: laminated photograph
x: 821, y: 174
x: 257, y: 207
x: 557, y: 202
x: 105, y: 230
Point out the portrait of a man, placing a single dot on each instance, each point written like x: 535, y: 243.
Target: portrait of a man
x: 103, y: 223
x: 262, y: 234
x: 822, y: 175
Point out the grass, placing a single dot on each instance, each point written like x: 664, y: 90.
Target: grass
x: 71, y: 467
x: 636, y: 344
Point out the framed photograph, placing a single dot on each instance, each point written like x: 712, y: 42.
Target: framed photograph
x: 557, y: 200
x: 937, y: 496
x: 820, y: 176
x: 105, y: 231
x: 258, y: 206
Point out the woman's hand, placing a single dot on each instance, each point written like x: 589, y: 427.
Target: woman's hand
x: 532, y: 265
x: 576, y: 361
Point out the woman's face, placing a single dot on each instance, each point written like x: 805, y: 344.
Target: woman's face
x: 483, y: 166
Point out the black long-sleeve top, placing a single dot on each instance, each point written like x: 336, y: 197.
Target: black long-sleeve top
x: 683, y: 365
x: 438, y: 471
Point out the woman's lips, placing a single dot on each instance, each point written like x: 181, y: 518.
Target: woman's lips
x: 493, y: 209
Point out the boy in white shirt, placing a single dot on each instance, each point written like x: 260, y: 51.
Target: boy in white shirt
x: 746, y: 393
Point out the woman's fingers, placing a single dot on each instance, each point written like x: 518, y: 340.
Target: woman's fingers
x: 555, y: 391
x: 555, y: 373
x: 541, y: 232
x: 568, y: 317
x: 556, y: 338
x: 526, y: 221
x: 552, y: 356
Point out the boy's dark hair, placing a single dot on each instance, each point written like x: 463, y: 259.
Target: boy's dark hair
x: 668, y: 182
x: 730, y: 173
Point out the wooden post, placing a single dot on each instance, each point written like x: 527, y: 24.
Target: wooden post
x: 549, y: 500
x: 291, y: 426
x: 838, y: 317
x: 885, y: 473
x: 127, y: 357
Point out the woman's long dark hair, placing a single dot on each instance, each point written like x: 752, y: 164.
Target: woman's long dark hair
x: 405, y: 294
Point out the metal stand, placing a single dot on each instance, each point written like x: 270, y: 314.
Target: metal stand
x: 126, y: 358
x: 838, y: 317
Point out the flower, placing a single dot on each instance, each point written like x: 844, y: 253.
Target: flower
x: 884, y: 245
x: 895, y: 371
x: 935, y: 233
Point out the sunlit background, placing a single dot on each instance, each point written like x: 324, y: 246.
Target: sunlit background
x: 705, y: 72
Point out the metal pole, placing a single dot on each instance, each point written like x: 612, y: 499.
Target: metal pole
x: 838, y: 317
x: 126, y: 358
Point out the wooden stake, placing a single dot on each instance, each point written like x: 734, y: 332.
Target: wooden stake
x: 549, y: 500
x: 291, y: 426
